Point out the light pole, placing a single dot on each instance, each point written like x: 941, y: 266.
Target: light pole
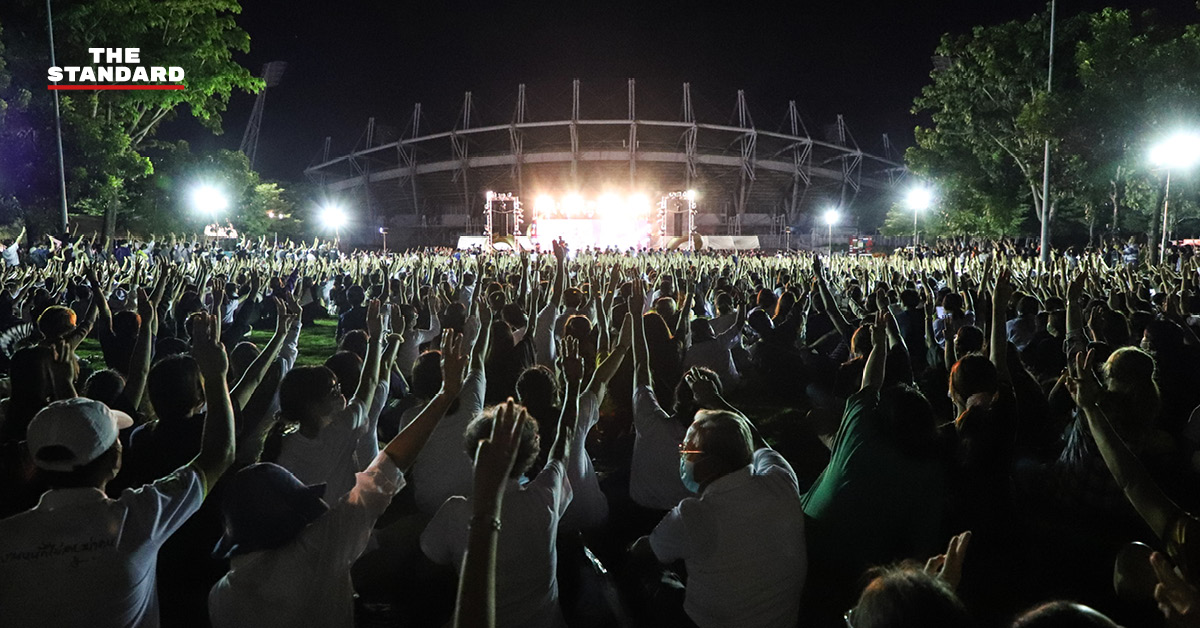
x: 831, y: 218
x: 787, y: 238
x: 62, y: 172
x: 1180, y: 151
x: 919, y: 199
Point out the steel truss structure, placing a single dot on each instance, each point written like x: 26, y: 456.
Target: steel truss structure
x: 749, y: 180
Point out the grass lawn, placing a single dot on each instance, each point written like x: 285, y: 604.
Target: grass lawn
x: 317, y: 342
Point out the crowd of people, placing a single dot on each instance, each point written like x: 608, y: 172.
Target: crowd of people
x: 959, y: 435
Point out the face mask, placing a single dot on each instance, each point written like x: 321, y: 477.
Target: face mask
x: 687, y: 473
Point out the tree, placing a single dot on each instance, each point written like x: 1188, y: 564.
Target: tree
x: 105, y: 133
x: 1122, y: 80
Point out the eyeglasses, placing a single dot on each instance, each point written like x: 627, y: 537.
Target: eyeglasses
x: 687, y: 452
x: 849, y: 616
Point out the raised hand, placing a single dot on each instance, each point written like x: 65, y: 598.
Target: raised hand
x: 207, y: 349
x: 879, y: 329
x: 1177, y: 598
x: 495, y: 457
x: 948, y: 566
x: 374, y: 320
x: 569, y: 360
x: 454, y: 362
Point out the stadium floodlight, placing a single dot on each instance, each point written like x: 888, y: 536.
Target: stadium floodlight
x: 919, y: 199
x: 1180, y: 151
x: 333, y: 217
x: 209, y: 201
x: 832, y: 216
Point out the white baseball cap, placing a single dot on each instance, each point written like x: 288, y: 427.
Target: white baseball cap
x: 85, y: 428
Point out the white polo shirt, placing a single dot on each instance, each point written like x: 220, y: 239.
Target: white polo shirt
x: 526, y: 558
x: 654, y: 471
x: 443, y: 469
x: 307, y: 582
x: 81, y: 559
x: 743, y: 543
x: 332, y: 457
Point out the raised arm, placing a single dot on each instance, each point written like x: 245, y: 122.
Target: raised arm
x: 494, y: 460
x: 480, y: 350
x: 1155, y: 508
x: 217, y: 445
x: 873, y: 372
x: 641, y: 351
x: 572, y: 367
x: 139, y: 365
x: 998, y: 343
x: 608, y: 368
x: 403, y: 449
x: 253, y: 376
x: 370, y: 370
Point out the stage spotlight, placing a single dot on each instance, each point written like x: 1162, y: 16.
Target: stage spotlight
x: 691, y: 196
x: 573, y: 204
x: 490, y: 195
x: 639, y: 204
x: 209, y: 200
x: 544, y: 204
x: 609, y: 206
x: 333, y: 217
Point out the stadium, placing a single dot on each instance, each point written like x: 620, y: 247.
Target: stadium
x: 610, y: 171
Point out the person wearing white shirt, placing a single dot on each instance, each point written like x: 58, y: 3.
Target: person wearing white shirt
x: 323, y: 447
x: 654, y: 472
x: 527, y: 594
x: 742, y: 538
x: 715, y: 351
x: 442, y: 470
x: 81, y: 558
x: 290, y: 553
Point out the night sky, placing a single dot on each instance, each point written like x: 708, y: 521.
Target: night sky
x: 866, y: 59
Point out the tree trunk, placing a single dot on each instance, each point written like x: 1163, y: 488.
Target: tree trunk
x: 110, y: 218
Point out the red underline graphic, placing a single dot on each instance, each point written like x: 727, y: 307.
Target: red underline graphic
x: 122, y: 87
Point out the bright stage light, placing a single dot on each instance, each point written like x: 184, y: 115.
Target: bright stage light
x: 1179, y: 151
x: 609, y: 206
x: 334, y: 217
x: 691, y: 195
x: 919, y: 198
x: 639, y: 204
x: 544, y: 204
x: 832, y: 216
x: 209, y: 200
x: 573, y: 205
x: 490, y: 195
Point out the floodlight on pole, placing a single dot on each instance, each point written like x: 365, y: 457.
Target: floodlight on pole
x: 1180, y: 151
x: 919, y: 199
x: 334, y: 217
x: 831, y: 218
x: 209, y: 201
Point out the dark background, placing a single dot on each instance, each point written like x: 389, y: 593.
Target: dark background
x: 359, y: 58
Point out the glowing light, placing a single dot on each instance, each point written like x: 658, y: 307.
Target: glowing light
x: 832, y: 216
x: 573, y: 204
x: 490, y: 194
x: 544, y: 204
x: 639, y: 204
x: 691, y: 195
x: 919, y: 198
x: 610, y: 206
x: 209, y: 200
x: 1181, y: 150
x: 334, y: 217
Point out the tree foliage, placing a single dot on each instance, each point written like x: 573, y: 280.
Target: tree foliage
x: 106, y: 134
x: 1121, y: 82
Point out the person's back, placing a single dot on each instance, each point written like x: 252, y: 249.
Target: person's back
x: 746, y: 557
